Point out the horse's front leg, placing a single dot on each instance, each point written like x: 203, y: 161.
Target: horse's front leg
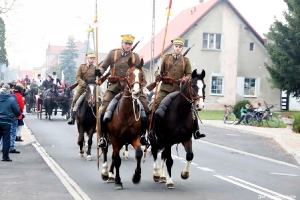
x: 156, y: 168
x: 104, y: 172
x: 189, y: 157
x: 166, y: 154
x: 80, y: 142
x: 90, y: 142
x: 117, y: 162
x: 138, y: 157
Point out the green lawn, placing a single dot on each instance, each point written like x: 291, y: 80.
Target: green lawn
x: 218, y: 115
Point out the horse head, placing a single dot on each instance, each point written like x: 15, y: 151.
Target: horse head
x: 195, y: 89
x: 90, y: 93
x: 135, y: 78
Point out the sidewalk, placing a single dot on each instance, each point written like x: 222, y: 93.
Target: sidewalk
x: 289, y: 140
x: 285, y: 137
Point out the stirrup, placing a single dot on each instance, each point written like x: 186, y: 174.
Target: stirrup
x: 102, y: 142
x: 152, y: 135
x: 71, y: 121
x: 198, y: 134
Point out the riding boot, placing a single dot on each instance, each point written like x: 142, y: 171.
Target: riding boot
x: 144, y: 127
x: 71, y: 120
x: 198, y: 134
x: 152, y: 134
x: 103, y: 140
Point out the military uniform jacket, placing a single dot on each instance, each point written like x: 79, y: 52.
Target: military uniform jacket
x: 175, y: 72
x: 85, y: 73
x: 121, y: 67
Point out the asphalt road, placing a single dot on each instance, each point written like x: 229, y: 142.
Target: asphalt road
x: 226, y: 165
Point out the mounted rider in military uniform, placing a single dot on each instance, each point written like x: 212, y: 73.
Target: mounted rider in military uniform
x: 117, y: 59
x: 85, y: 72
x: 174, y: 66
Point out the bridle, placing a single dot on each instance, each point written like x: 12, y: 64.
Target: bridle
x: 190, y: 97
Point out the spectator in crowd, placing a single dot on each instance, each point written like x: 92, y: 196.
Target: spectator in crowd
x: 39, y: 80
x: 27, y: 80
x: 19, y: 129
x: 9, y: 109
x: 47, y: 84
x: 259, y: 107
x: 18, y: 90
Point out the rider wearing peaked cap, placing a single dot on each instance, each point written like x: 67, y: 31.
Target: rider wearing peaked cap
x: 118, y: 60
x: 85, y: 73
x: 181, y: 71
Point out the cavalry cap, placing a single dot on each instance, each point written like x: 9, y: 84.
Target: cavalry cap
x: 128, y: 38
x: 53, y: 73
x: 91, y: 55
x: 178, y: 41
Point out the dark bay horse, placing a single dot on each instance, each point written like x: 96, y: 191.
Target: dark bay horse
x: 30, y: 98
x: 125, y: 125
x: 64, y: 101
x: 49, y: 97
x: 177, y: 126
x: 86, y: 119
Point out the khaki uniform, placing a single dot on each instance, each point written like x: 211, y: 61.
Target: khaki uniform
x: 119, y: 69
x: 84, y: 73
x: 181, y: 69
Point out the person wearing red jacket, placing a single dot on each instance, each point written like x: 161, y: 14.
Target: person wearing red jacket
x: 17, y: 93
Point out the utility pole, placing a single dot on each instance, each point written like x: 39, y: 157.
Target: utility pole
x: 152, y: 43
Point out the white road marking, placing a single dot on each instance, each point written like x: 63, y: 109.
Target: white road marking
x: 282, y: 174
x: 69, y: 184
x: 206, y: 169
x: 255, y: 188
x: 249, y: 154
x: 232, y: 134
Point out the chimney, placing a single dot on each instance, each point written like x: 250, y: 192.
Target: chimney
x: 201, y: 1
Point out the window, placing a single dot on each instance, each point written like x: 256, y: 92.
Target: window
x: 211, y: 41
x: 186, y: 43
x: 251, y: 46
x: 250, y: 87
x: 217, y: 83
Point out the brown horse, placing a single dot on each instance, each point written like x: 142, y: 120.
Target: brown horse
x: 177, y: 126
x: 125, y: 125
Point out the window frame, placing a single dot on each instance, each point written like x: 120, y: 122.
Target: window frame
x: 211, y: 85
x: 214, y: 42
x: 255, y: 87
x: 253, y: 48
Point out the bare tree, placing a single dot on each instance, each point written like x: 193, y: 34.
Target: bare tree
x: 7, y: 5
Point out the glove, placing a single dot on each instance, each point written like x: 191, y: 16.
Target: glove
x: 183, y: 80
x: 158, y: 78
x: 113, y: 79
x: 84, y: 85
x: 97, y: 72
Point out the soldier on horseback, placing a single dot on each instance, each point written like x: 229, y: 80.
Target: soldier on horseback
x: 174, y: 66
x: 85, y: 72
x: 118, y: 60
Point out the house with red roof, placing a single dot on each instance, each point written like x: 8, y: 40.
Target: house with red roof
x: 53, y: 58
x: 226, y: 46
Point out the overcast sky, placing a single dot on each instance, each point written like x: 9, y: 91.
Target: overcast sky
x: 40, y: 22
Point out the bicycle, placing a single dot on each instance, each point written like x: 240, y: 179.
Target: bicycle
x: 229, y: 117
x: 259, y: 116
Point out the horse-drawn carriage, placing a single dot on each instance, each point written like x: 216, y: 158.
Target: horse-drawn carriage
x: 56, y: 98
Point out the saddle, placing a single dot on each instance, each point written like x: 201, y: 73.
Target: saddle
x: 163, y: 106
x: 113, y: 104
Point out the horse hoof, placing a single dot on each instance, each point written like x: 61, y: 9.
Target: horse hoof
x: 111, y: 180
x: 162, y: 179
x: 170, y: 186
x: 185, y: 175
x: 80, y: 155
x: 118, y: 186
x: 104, y: 177
x: 89, y: 158
x: 136, y: 178
x: 156, y: 178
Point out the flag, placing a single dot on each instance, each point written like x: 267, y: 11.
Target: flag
x: 167, y: 12
x: 95, y: 25
x: 170, y: 4
x: 89, y: 30
x: 62, y: 78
